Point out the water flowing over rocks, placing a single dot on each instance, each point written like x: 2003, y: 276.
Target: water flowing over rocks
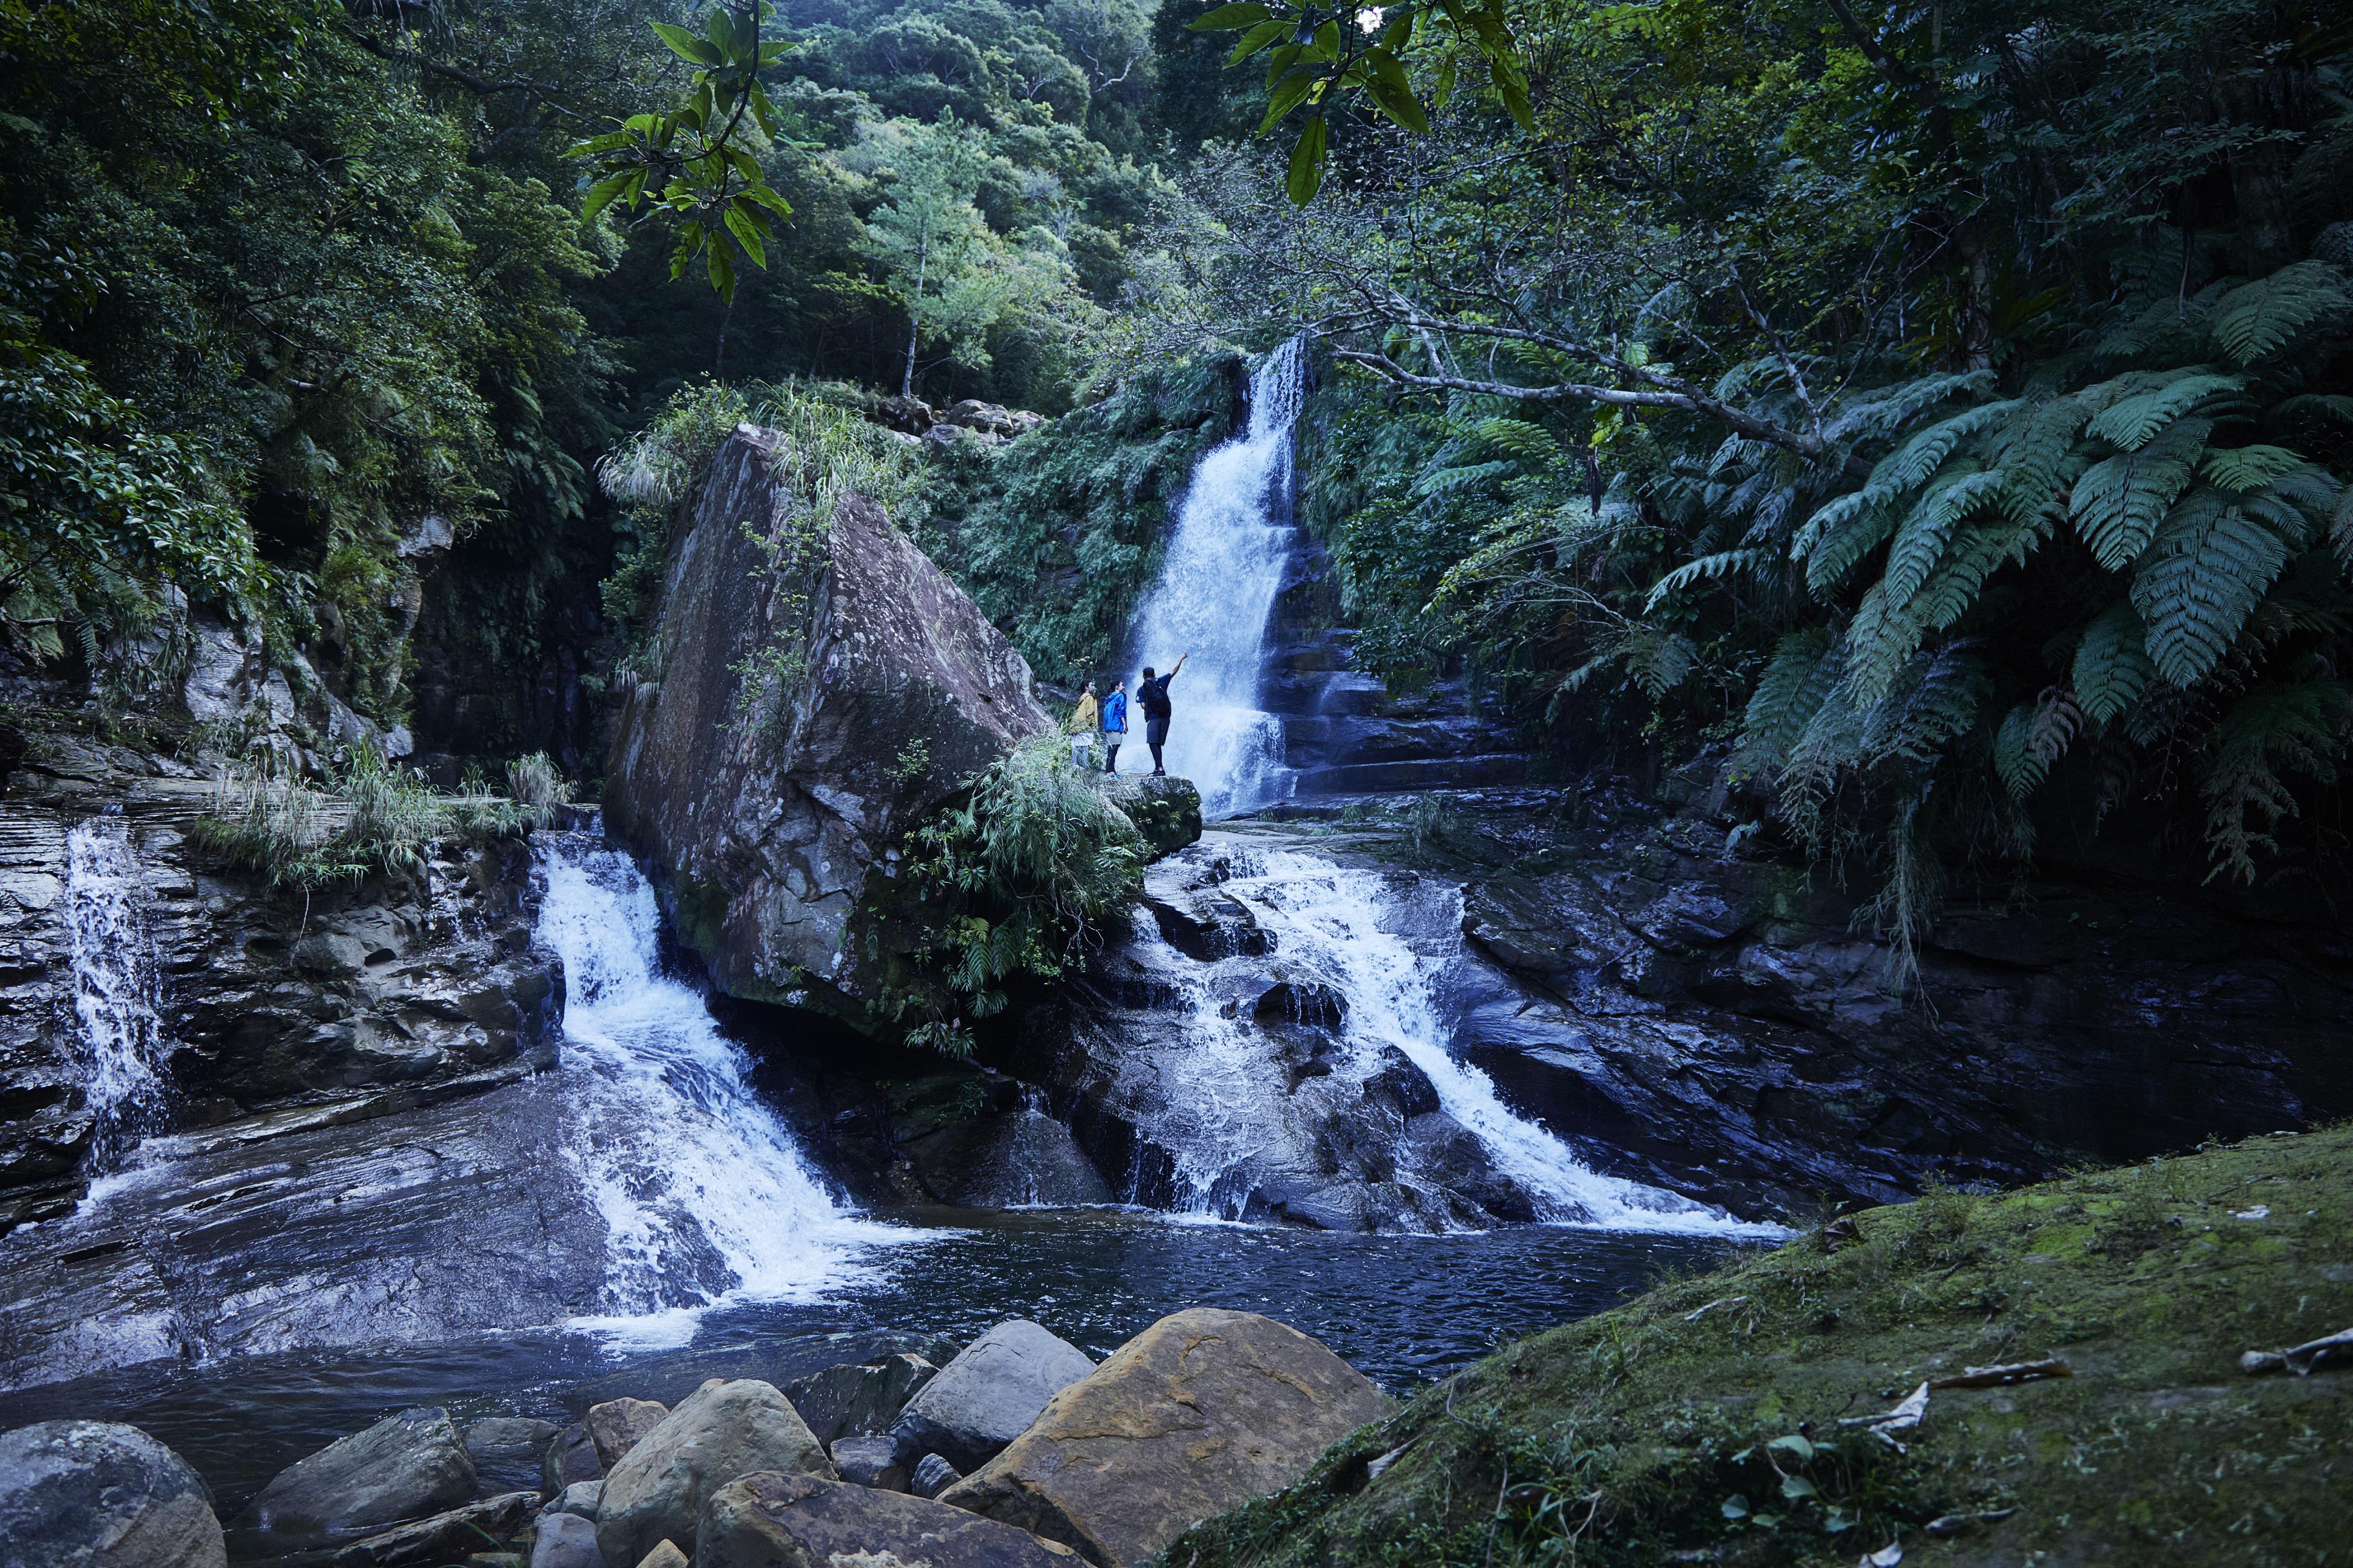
x: 722, y: 1431
x: 91, y: 1494
x: 801, y: 718
x: 1200, y: 1413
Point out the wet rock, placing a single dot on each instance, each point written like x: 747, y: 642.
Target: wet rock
x: 507, y: 1451
x: 857, y: 1399
x: 91, y: 1494
x: 932, y: 1475
x: 570, y: 1459
x: 664, y: 1555
x: 767, y: 832
x: 1301, y: 1003
x: 428, y: 1543
x: 402, y: 1467
x: 565, y: 1541
x: 795, y: 1521
x: 722, y: 1431
x: 1165, y: 810
x: 869, y: 1462
x: 579, y: 1499
x: 989, y: 1394
x: 1198, y: 1414
x: 615, y: 1426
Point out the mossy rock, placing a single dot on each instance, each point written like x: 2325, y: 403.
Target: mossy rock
x: 1704, y: 1423
x: 1167, y: 811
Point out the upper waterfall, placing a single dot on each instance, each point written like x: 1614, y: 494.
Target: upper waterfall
x: 1226, y: 559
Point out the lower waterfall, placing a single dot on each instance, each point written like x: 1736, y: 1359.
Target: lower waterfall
x: 704, y: 1194
x: 122, y: 1044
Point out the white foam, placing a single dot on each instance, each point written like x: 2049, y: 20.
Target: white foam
x: 123, y: 1046
x: 705, y: 1197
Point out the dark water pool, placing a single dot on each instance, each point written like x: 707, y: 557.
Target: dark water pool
x: 1404, y: 1309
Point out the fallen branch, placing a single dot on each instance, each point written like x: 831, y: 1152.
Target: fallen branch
x: 1903, y: 1418
x: 1712, y: 1306
x: 2304, y: 1360
x: 1957, y: 1523
x: 2003, y: 1376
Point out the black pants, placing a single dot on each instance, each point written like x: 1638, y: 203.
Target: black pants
x: 1155, y: 735
x: 1111, y: 738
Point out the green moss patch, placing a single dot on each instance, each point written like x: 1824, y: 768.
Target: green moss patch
x: 1718, y: 1418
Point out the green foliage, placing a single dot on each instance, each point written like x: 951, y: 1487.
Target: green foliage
x: 1012, y: 883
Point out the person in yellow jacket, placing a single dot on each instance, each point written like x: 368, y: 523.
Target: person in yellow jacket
x: 1083, y: 719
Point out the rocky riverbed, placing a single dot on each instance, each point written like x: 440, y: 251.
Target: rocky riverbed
x: 1019, y: 1451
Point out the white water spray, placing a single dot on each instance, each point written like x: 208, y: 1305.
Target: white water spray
x: 704, y: 1196
x: 122, y: 1047
x: 1227, y: 555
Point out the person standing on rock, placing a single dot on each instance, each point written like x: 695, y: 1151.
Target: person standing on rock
x: 1114, y: 725
x: 1154, y: 695
x: 1083, y: 719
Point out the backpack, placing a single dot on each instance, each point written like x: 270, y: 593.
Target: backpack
x: 1154, y: 694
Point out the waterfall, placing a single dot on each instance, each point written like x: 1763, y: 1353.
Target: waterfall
x: 1226, y: 559
x: 122, y: 1047
x: 704, y: 1196
x: 1337, y: 927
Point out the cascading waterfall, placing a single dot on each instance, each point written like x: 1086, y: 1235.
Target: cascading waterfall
x: 703, y: 1193
x: 1226, y: 559
x: 1336, y: 926
x: 123, y: 1049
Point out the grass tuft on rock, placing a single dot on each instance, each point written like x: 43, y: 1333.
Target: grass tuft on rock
x: 1702, y: 1422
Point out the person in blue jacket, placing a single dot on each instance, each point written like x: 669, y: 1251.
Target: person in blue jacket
x: 1114, y: 725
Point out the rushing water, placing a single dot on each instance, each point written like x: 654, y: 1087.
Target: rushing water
x: 1227, y: 555
x: 121, y: 1046
x: 705, y: 1196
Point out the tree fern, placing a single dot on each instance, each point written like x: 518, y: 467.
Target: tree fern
x: 1800, y: 676
x: 2036, y: 450
x: 2205, y: 571
x: 1921, y: 539
x: 2112, y: 664
x: 2257, y: 321
x: 1881, y: 415
x: 1934, y: 699
x: 2242, y: 468
x: 2033, y: 736
x: 1724, y: 563
x: 2119, y: 501
x: 2135, y: 421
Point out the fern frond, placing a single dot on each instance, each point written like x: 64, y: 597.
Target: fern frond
x: 1936, y: 699
x: 2257, y: 321
x: 2036, y: 450
x: 1910, y: 466
x: 2240, y: 469
x: 2135, y: 421
x: 1722, y: 564
x: 2033, y: 736
x: 2201, y: 578
x: 1891, y: 408
x: 1522, y: 438
x: 1434, y: 483
x: 2112, y: 664
x: 1804, y: 669
x: 2272, y: 730
x: 1840, y: 533
x: 1660, y: 661
x: 2119, y: 502
x: 1920, y: 540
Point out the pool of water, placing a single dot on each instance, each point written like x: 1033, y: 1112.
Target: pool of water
x: 1404, y: 1309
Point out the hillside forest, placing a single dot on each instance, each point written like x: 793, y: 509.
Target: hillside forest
x: 1941, y: 413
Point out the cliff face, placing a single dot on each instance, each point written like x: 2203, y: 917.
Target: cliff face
x: 819, y: 687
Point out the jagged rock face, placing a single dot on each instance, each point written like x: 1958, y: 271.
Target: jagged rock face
x: 386, y: 996
x: 801, y: 718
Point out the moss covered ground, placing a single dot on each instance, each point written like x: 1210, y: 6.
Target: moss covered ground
x: 1706, y: 1422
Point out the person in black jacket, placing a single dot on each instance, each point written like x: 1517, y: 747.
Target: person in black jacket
x: 1153, y: 696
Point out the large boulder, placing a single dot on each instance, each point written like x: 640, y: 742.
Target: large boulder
x: 1165, y: 810
x: 721, y: 1431
x: 820, y: 686
x: 92, y: 1494
x: 1198, y: 1414
x: 794, y: 1522
x: 405, y: 1467
x: 989, y: 1395
x: 858, y: 1399
x: 617, y: 1426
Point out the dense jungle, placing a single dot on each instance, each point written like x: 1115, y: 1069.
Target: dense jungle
x: 1720, y: 940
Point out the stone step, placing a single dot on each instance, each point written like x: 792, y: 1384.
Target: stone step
x: 1488, y: 769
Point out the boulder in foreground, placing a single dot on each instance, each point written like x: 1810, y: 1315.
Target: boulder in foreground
x: 797, y: 1521
x: 721, y: 1431
x: 821, y: 687
x: 94, y: 1494
x: 989, y: 1395
x: 1198, y: 1414
x: 402, y: 1467
x: 444, y: 1538
x: 1167, y: 811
